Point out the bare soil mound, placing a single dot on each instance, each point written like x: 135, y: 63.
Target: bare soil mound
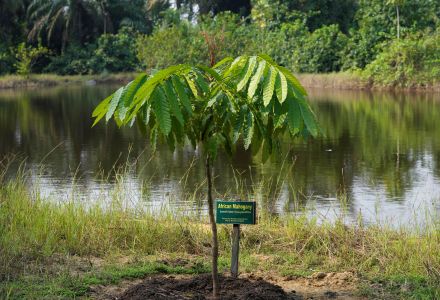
x: 200, y: 287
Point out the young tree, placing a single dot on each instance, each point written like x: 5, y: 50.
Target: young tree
x: 397, y: 4
x: 250, y: 97
x: 27, y: 56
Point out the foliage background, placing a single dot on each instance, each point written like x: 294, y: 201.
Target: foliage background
x: 311, y: 36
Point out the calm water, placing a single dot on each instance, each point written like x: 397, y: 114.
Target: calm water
x: 382, y: 150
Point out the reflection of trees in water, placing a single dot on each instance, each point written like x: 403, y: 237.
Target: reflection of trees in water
x: 379, y: 138
x: 44, y: 120
x: 325, y: 167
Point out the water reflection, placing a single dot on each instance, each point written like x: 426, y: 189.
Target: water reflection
x: 378, y: 161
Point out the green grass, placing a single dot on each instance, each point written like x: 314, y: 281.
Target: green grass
x: 39, y: 236
x: 68, y: 285
x: 398, y: 287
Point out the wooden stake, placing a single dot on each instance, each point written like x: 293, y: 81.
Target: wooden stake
x: 215, y: 282
x: 235, y: 249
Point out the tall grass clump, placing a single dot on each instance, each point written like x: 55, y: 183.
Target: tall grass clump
x: 33, y: 228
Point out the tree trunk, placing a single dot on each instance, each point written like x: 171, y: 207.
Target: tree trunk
x: 398, y: 21
x: 215, y: 283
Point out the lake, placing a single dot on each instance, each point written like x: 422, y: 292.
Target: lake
x: 378, y: 162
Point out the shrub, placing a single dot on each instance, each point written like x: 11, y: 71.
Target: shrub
x: 291, y: 44
x: 7, y: 60
x: 171, y: 45
x: 74, y: 60
x: 362, y: 48
x: 322, y: 50
x: 235, y: 36
x: 285, y: 43
x: 111, y: 53
x: 27, y: 56
x: 185, y: 42
x: 115, y: 52
x: 414, y: 60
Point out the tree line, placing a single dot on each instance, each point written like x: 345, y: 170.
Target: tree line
x: 393, y: 42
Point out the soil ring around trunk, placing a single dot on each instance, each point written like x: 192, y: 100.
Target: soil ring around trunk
x: 200, y: 287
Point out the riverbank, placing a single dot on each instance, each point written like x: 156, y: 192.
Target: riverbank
x: 49, y: 80
x: 353, y: 81
x: 58, y: 249
x: 341, y: 81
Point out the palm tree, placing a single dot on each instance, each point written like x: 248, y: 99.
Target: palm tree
x: 10, y: 11
x: 9, y: 6
x: 72, y: 20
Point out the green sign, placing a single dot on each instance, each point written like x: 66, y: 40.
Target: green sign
x: 235, y: 212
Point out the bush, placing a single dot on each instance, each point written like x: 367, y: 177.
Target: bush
x: 27, y: 56
x: 234, y: 35
x: 322, y: 51
x: 414, y: 60
x: 7, y: 60
x: 171, y: 45
x: 292, y: 45
x: 185, y: 43
x: 285, y: 43
x: 74, y: 60
x: 115, y: 52
x: 111, y: 53
x: 362, y: 48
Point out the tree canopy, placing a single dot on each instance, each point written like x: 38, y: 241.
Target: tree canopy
x: 250, y: 97
x: 307, y: 36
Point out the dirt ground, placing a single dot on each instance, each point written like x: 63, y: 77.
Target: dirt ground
x: 247, y: 286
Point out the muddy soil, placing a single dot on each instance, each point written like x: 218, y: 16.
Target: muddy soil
x: 256, y: 285
x: 341, y: 286
x: 200, y: 287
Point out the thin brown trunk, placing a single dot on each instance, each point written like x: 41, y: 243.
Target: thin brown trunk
x: 215, y: 283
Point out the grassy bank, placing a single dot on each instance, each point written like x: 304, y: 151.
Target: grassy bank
x: 354, y: 81
x: 53, y: 249
x: 47, y: 80
x: 343, y: 81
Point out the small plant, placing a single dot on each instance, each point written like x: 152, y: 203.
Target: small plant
x: 27, y: 57
x: 249, y: 97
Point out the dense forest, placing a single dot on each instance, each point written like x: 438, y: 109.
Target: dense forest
x: 392, y: 42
